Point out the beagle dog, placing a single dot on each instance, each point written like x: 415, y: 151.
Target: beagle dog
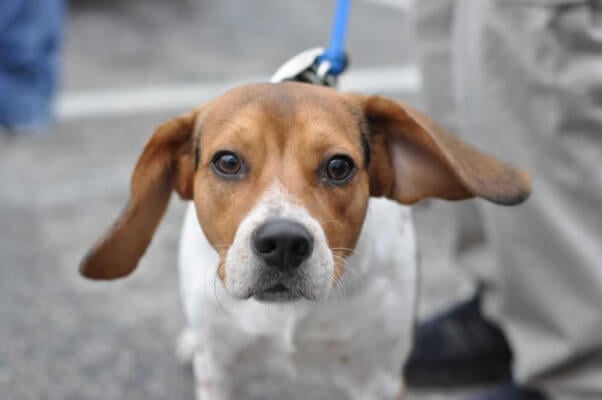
x: 297, y: 255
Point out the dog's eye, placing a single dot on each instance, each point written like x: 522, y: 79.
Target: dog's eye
x: 227, y: 163
x: 339, y: 169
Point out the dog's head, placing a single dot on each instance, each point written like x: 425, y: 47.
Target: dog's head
x: 281, y: 175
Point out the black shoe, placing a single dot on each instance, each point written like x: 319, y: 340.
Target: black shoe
x: 458, y: 348
x: 509, y: 392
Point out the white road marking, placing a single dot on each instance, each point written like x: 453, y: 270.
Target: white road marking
x: 402, y: 5
x: 402, y: 78
x: 127, y: 101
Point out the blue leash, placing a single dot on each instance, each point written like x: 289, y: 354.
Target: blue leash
x: 335, y: 53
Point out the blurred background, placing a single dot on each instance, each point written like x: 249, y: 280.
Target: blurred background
x: 128, y: 65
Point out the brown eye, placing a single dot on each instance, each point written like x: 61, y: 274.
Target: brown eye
x: 339, y: 169
x: 227, y: 163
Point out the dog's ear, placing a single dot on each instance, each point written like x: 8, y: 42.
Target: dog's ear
x: 166, y: 164
x: 414, y: 158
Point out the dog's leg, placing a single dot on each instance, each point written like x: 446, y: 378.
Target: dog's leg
x: 207, y: 377
x: 210, y: 380
x: 186, y: 345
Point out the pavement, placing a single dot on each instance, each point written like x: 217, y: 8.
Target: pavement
x: 62, y: 337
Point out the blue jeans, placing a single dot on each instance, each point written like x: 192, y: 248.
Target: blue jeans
x: 30, y: 39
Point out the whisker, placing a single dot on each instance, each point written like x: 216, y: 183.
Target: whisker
x: 219, y: 303
x: 348, y: 268
x: 330, y: 221
x: 351, y: 251
x: 339, y: 288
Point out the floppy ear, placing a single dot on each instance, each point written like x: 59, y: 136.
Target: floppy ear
x: 167, y: 162
x: 414, y: 158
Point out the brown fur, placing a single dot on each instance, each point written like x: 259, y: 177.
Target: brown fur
x: 286, y: 132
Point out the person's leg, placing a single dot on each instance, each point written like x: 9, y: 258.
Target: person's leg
x: 529, y: 79
x: 432, y: 27
x: 30, y: 37
x: 481, y: 355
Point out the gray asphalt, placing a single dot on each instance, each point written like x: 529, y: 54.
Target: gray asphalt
x: 62, y: 337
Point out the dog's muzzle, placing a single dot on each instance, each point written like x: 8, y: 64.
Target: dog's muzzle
x: 279, y: 254
x: 282, y: 245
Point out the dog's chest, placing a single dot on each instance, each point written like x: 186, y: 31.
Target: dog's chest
x: 350, y: 346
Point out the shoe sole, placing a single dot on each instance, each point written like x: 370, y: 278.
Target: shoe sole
x: 486, y: 373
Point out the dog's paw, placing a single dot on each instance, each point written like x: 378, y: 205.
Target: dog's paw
x: 186, y: 346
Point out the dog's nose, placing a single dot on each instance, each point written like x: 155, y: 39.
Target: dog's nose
x: 282, y: 243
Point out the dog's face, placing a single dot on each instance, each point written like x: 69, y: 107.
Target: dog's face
x: 281, y: 175
x: 281, y: 189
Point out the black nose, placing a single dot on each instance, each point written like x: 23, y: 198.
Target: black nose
x: 282, y: 243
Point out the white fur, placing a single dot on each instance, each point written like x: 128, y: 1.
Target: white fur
x: 351, y: 344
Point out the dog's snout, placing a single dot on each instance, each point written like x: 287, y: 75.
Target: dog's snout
x: 282, y: 243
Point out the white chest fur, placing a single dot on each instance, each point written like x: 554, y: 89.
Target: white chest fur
x: 349, y: 346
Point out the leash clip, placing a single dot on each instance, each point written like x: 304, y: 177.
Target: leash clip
x: 306, y: 67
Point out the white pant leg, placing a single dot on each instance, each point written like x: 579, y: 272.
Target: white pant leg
x: 529, y: 83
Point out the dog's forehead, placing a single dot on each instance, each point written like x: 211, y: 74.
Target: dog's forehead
x: 281, y: 106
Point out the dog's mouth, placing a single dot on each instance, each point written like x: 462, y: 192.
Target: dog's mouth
x: 279, y: 288
x: 277, y: 293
